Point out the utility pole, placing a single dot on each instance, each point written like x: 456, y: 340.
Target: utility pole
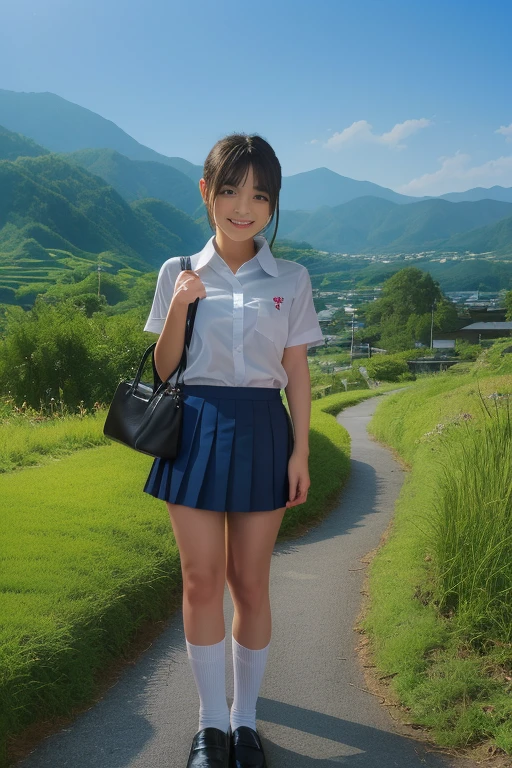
x: 99, y: 279
x: 352, y: 343
x: 432, y: 325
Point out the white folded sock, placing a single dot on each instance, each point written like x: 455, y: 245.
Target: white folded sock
x: 208, y: 664
x: 248, y: 669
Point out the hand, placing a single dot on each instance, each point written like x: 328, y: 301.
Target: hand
x: 188, y: 287
x: 298, y: 477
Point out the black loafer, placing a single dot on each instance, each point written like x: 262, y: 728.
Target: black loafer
x: 246, y: 749
x: 210, y: 749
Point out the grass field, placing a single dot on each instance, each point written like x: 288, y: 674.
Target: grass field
x: 26, y: 442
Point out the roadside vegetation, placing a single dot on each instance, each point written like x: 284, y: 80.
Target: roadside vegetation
x: 440, y: 619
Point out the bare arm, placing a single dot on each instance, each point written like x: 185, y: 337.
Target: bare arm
x: 298, y: 394
x: 169, y: 347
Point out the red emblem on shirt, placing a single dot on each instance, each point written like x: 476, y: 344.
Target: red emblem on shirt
x: 278, y: 301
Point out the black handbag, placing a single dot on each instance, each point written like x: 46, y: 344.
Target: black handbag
x: 149, y: 418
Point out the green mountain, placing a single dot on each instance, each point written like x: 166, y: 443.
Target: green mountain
x: 137, y: 179
x: 14, y: 145
x: 55, y: 217
x: 62, y: 126
x: 374, y: 225
x: 496, y: 238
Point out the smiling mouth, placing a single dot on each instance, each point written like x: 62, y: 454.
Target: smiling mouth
x: 241, y: 224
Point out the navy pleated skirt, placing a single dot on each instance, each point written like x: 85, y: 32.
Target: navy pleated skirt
x: 236, y: 442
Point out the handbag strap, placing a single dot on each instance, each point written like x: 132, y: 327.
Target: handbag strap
x: 189, y: 327
x: 157, y: 380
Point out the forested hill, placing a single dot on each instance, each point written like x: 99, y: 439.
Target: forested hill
x: 54, y: 214
x: 137, y: 179
x: 14, y: 145
x: 376, y: 226
x: 496, y: 238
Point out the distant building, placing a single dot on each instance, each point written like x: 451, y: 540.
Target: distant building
x: 475, y: 332
x: 485, y: 314
x: 443, y: 344
x: 325, y: 315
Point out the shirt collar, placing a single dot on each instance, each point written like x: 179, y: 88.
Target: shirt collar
x: 263, y: 255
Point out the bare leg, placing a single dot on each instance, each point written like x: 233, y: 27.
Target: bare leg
x: 251, y: 538
x: 200, y: 536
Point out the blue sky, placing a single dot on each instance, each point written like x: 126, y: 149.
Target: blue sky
x: 414, y: 95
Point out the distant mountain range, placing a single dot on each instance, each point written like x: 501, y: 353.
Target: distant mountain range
x: 374, y: 225
x: 481, y: 193
x: 167, y: 200
x: 137, y: 207
x: 61, y: 126
x: 311, y: 190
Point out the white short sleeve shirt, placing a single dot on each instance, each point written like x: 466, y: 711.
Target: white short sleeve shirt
x: 246, y: 320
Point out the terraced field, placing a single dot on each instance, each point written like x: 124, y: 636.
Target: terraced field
x: 21, y: 271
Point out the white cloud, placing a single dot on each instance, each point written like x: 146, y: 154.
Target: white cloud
x: 402, y: 131
x: 506, y: 130
x: 361, y: 132
x: 457, y: 175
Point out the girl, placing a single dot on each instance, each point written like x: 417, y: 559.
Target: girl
x: 242, y: 461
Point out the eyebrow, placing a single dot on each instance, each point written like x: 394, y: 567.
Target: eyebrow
x: 258, y: 189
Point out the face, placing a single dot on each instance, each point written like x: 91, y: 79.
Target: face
x: 241, y: 204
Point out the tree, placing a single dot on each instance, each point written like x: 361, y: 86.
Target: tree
x: 403, y: 314
x: 411, y: 291
x: 508, y: 304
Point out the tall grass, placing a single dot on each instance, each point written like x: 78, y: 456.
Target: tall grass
x: 440, y: 617
x: 472, y: 543
x: 25, y: 442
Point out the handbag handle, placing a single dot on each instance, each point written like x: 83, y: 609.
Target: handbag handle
x: 142, y: 363
x: 189, y: 327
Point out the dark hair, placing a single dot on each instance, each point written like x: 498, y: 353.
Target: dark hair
x: 228, y: 163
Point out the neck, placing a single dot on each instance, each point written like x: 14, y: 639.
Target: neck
x: 234, y: 254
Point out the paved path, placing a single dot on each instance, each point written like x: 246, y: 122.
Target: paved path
x: 309, y: 715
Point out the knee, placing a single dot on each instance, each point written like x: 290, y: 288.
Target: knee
x: 249, y: 591
x: 203, y: 585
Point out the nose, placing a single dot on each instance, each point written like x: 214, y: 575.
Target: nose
x: 242, y: 207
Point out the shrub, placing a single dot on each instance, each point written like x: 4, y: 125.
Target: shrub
x: 386, y: 368
x: 58, y: 352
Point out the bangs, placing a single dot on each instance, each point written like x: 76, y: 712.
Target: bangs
x: 235, y: 173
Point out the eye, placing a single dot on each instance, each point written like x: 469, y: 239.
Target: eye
x: 223, y: 191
